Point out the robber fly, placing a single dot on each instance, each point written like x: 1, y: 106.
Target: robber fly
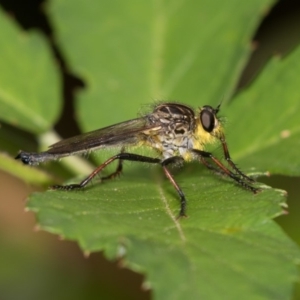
x: 175, y: 131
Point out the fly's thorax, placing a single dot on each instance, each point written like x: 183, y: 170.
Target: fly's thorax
x: 170, y: 143
x: 177, y: 124
x: 174, y: 117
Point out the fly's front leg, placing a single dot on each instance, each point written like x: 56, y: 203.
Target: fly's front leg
x: 203, y: 154
x: 229, y: 160
x: 214, y: 169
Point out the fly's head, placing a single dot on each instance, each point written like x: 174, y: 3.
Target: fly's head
x: 209, y: 119
x: 209, y: 127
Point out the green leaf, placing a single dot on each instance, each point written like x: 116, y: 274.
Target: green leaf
x: 228, y: 243
x: 265, y: 123
x: 29, y: 82
x: 131, y: 52
x: 127, y: 54
x: 29, y: 92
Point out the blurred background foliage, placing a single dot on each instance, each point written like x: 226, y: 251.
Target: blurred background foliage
x: 37, y: 265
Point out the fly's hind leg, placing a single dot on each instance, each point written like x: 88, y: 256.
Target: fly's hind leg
x: 133, y: 157
x: 118, y: 170
x: 116, y: 173
x: 121, y: 156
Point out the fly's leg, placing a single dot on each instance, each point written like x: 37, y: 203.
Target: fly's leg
x: 238, y: 179
x: 175, y: 160
x: 229, y: 160
x: 121, y: 156
x: 209, y: 166
x: 117, y: 172
x: 132, y: 157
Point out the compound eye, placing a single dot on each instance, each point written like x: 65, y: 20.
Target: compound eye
x: 207, y: 120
